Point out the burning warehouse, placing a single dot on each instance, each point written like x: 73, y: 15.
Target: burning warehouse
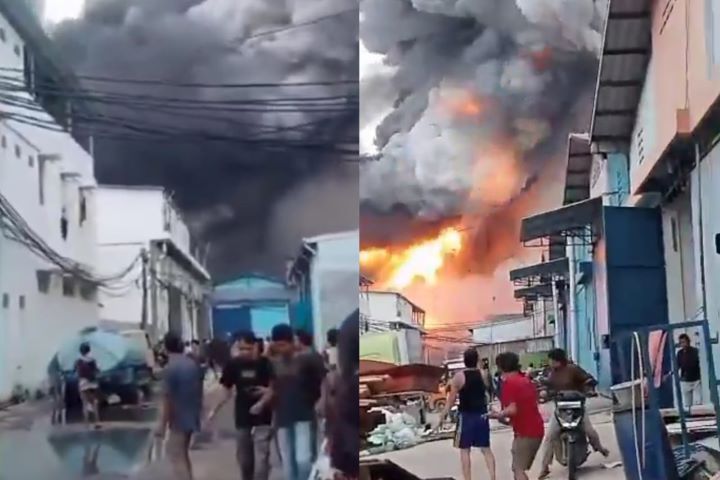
x: 478, y: 99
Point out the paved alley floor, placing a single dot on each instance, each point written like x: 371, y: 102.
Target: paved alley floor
x: 213, y: 457
x: 440, y: 459
x: 33, y: 448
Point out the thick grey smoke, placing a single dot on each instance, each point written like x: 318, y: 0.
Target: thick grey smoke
x: 483, y: 92
x: 251, y: 204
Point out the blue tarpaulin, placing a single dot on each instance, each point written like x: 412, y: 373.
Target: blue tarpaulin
x: 109, y: 349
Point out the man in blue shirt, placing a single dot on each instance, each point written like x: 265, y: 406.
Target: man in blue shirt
x: 180, y: 407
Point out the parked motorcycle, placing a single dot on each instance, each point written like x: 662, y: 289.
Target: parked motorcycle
x: 572, y: 449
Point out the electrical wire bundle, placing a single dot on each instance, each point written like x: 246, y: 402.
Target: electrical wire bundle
x: 171, y: 115
x: 16, y: 228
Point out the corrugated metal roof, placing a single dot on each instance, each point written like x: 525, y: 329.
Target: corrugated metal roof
x: 564, y: 220
x: 536, y: 292
x: 626, y: 51
x: 557, y: 268
x: 577, y: 172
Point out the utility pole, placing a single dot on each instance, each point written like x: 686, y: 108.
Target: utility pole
x: 144, y: 319
x: 153, y: 291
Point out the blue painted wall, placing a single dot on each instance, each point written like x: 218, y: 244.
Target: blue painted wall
x: 618, y: 178
x: 635, y: 281
x: 247, y: 312
x: 585, y: 312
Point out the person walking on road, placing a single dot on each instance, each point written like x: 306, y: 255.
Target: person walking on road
x: 688, y: 362
x: 87, y: 372
x: 473, y: 428
x: 487, y: 378
x: 297, y: 389
x: 566, y: 376
x: 519, y: 402
x: 180, y: 406
x: 250, y: 377
x: 338, y: 458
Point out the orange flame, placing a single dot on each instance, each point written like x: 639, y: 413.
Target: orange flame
x: 422, y: 260
x: 463, y: 104
x: 541, y: 59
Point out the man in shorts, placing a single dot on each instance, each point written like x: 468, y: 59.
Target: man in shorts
x: 519, y: 402
x: 180, y: 407
x: 473, y: 429
x: 87, y: 373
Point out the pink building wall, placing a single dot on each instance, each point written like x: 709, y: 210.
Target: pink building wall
x: 684, y: 80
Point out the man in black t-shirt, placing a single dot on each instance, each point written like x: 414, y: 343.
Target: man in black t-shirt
x: 688, y: 363
x: 251, y: 379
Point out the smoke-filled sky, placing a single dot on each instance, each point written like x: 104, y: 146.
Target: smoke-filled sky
x: 468, y: 101
x: 252, y: 205
x: 467, y: 105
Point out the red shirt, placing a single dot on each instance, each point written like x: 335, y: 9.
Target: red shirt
x: 527, y: 421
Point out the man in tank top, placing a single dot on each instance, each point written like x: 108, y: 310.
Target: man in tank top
x: 473, y: 429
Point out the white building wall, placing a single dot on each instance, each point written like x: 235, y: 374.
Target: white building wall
x: 132, y: 218
x: 334, y: 273
x: 42, y: 174
x: 683, y: 303
x: 504, y: 331
x: 387, y: 307
x: 133, y: 215
x: 123, y: 305
x: 705, y: 203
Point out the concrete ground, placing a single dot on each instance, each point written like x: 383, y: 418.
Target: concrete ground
x: 440, y: 459
x: 213, y: 457
x: 123, y: 449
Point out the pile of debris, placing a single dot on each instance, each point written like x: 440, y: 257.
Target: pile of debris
x: 401, y: 430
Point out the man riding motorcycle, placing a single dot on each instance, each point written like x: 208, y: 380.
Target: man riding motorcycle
x: 566, y: 376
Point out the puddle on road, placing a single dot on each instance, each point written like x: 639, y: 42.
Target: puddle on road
x: 72, y: 454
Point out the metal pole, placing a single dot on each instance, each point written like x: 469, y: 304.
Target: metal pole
x: 556, y: 312
x: 154, y: 292
x: 572, y: 316
x: 144, y: 317
x: 701, y: 240
x: 678, y: 394
x: 711, y: 374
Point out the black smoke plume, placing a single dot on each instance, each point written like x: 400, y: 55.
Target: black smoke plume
x: 251, y: 205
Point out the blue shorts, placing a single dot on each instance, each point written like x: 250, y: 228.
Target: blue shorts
x: 473, y: 430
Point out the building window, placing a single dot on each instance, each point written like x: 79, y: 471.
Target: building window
x: 64, y: 224
x: 41, y: 181
x: 18, y: 151
x: 3, y: 38
x: 674, y: 234
x: 88, y: 291
x: 83, y: 208
x: 68, y: 286
x: 6, y: 300
x: 43, y: 281
x: 4, y: 141
x: 21, y: 302
x: 31, y: 161
x: 16, y: 49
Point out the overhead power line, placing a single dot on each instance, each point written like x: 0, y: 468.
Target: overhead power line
x: 229, y: 86
x: 16, y: 228
x: 300, y: 25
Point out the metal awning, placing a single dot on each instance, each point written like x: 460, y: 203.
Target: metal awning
x: 534, y: 293
x: 626, y: 51
x: 578, y: 169
x: 553, y: 268
x: 568, y: 220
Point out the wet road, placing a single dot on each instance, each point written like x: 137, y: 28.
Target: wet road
x: 32, y: 448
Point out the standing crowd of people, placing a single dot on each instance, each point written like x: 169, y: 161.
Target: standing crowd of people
x: 291, y: 402
x: 473, y: 390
